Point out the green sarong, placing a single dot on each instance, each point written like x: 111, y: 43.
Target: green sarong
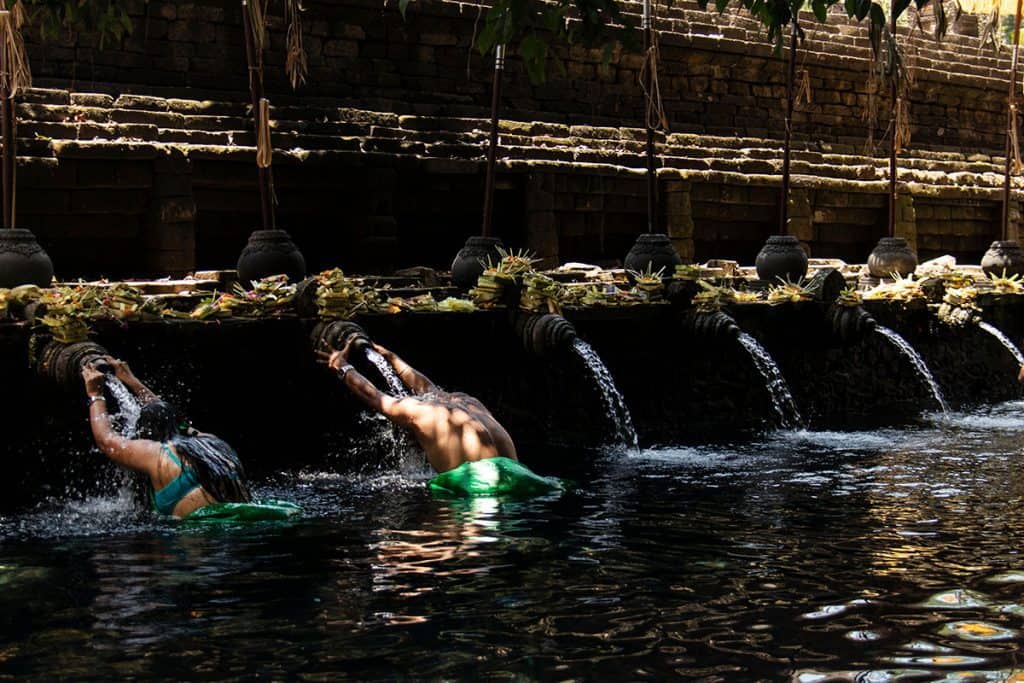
x: 494, y: 477
x: 256, y: 511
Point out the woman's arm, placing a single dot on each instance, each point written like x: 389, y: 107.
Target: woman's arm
x: 141, y: 456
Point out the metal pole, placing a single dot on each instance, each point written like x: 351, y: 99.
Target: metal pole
x: 492, y: 149
x: 255, y: 60
x: 1010, y: 119
x: 652, y: 173
x: 893, y: 91
x: 788, y: 144
x: 7, y: 133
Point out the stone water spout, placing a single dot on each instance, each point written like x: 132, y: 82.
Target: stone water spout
x: 850, y: 323
x: 63, y: 363
x: 717, y: 325
x: 334, y: 335
x: 545, y: 335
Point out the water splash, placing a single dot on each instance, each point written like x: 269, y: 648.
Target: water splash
x: 400, y: 451
x: 915, y: 359
x: 611, y: 397
x: 395, y: 385
x: 1004, y: 340
x: 782, y: 400
x: 128, y: 408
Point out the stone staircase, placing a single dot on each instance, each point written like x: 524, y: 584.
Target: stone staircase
x: 58, y: 124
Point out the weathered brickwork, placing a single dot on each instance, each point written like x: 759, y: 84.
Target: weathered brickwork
x: 718, y: 74
x: 141, y: 158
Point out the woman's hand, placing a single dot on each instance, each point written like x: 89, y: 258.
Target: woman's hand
x: 386, y: 352
x: 121, y: 369
x: 93, y: 380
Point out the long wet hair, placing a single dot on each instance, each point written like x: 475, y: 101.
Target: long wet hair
x: 216, y: 465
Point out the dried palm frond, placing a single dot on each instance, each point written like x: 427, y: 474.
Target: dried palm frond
x: 18, y: 74
x: 296, y: 64
x: 264, y: 147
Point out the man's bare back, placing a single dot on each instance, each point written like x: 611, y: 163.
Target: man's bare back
x: 455, y: 428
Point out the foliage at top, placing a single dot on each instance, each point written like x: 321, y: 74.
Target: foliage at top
x: 780, y: 15
x: 108, y: 19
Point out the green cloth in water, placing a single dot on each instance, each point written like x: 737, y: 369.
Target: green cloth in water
x: 256, y: 511
x: 494, y: 477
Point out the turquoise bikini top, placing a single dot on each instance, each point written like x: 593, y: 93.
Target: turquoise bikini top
x: 167, y: 498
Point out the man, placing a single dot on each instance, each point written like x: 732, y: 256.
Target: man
x: 463, y: 442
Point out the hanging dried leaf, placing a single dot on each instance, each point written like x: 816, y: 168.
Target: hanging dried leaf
x: 804, y: 89
x: 295, y: 63
x: 264, y: 148
x: 1017, y: 166
x: 655, y: 109
x: 17, y: 75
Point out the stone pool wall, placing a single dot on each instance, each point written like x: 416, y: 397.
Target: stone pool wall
x: 256, y: 384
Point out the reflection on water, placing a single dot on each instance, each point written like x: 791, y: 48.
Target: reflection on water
x: 809, y: 556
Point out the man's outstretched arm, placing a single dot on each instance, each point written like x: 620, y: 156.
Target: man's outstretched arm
x: 375, y: 399
x: 415, y: 380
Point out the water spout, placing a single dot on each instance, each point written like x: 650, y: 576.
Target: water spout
x: 782, y: 400
x: 614, y: 403
x: 915, y: 359
x: 1004, y: 340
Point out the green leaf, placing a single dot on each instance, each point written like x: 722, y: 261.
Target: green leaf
x: 534, y: 52
x: 820, y: 9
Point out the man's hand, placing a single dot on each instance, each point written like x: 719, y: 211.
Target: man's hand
x: 1020, y: 375
x: 93, y: 380
x: 336, y: 359
x: 386, y: 352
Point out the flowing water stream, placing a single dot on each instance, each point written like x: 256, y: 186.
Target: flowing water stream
x: 614, y: 403
x: 405, y: 454
x: 128, y: 408
x: 1004, y: 340
x: 915, y: 359
x: 782, y: 400
x: 395, y: 385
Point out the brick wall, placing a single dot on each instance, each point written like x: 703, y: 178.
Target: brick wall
x: 962, y: 227
x: 718, y: 75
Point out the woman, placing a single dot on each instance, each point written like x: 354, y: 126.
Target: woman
x: 187, y: 472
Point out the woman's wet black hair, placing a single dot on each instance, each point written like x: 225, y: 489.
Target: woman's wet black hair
x: 158, y: 421
x: 217, y: 467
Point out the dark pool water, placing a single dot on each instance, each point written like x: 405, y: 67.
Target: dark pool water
x: 889, y: 555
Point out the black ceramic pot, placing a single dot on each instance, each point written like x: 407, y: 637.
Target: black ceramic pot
x: 22, y: 260
x: 270, y: 252
x: 892, y: 255
x: 1003, y: 257
x: 469, y: 262
x: 781, y: 257
x: 653, y: 251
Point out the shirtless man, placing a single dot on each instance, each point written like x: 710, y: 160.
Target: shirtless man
x: 463, y: 442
